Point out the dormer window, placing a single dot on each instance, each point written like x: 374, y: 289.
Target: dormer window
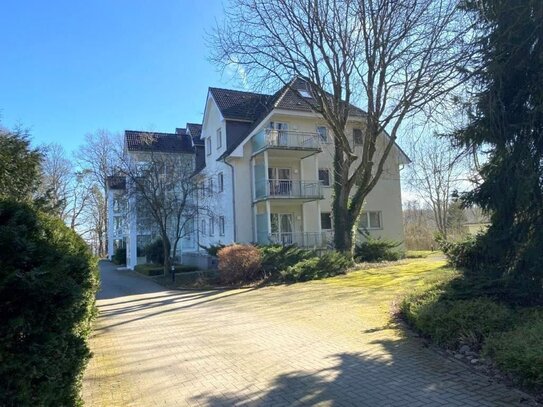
x: 304, y: 93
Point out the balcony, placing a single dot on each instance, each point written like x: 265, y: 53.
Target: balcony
x: 323, y: 239
x: 288, y: 189
x: 285, y: 140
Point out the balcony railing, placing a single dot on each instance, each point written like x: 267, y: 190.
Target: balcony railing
x: 287, y: 188
x: 271, y: 138
x: 303, y: 239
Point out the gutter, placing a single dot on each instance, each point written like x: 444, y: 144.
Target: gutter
x: 233, y: 197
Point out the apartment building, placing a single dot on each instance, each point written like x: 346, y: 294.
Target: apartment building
x: 268, y: 160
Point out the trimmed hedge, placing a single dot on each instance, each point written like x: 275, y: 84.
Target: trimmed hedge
x: 152, y: 270
x: 48, y: 280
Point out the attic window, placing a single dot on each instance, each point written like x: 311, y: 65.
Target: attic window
x: 304, y: 93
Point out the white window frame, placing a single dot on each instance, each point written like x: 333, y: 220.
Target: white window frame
x: 220, y: 181
x: 367, y: 215
x: 221, y: 226
x: 208, y: 145
x: 219, y: 138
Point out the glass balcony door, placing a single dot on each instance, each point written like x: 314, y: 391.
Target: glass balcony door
x: 282, y: 227
x: 278, y: 133
x: 279, y: 181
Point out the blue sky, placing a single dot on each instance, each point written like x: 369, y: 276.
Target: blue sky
x: 71, y: 67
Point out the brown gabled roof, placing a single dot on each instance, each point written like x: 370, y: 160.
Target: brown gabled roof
x: 159, y: 142
x: 239, y: 105
x: 195, y: 131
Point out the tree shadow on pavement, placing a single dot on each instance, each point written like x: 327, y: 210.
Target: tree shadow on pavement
x: 388, y: 379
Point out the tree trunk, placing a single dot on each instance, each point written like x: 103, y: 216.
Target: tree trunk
x: 166, y: 246
x: 343, y: 224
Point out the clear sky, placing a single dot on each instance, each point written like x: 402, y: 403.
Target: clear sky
x: 71, y: 67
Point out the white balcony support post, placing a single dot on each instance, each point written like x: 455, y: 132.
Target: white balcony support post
x: 110, y: 225
x: 255, y: 226
x: 266, y: 171
x: 253, y: 176
x: 268, y: 216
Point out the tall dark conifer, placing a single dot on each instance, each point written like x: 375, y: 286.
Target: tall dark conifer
x: 508, y: 124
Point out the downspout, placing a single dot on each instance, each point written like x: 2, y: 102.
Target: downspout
x: 233, y: 197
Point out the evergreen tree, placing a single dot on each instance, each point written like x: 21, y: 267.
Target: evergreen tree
x: 20, y: 166
x: 508, y: 124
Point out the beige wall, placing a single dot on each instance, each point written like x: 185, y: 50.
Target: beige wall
x: 385, y: 197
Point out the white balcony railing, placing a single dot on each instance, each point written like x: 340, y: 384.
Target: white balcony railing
x: 322, y: 239
x: 271, y: 138
x: 287, y: 188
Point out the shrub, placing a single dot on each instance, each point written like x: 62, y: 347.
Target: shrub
x: 155, y: 252
x: 520, y: 352
x: 239, y: 264
x: 276, y: 258
x: 373, y: 250
x: 48, y: 280
x: 328, y: 265
x: 466, y: 253
x: 120, y: 256
x: 213, y: 249
x: 451, y: 323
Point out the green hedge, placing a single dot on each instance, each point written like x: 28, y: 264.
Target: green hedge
x: 328, y: 265
x: 520, y: 351
x: 119, y: 257
x: 153, y: 270
x: 373, y: 250
x: 453, y: 323
x: 277, y: 258
x: 48, y: 280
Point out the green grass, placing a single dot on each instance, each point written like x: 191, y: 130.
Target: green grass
x: 398, y: 276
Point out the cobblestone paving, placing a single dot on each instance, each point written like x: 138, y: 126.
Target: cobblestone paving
x: 301, y: 345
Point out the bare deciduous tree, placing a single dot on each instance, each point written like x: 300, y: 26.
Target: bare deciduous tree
x: 98, y: 159
x: 394, y: 58
x: 166, y: 195
x: 437, y: 171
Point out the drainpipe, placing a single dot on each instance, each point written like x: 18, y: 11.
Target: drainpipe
x: 233, y: 197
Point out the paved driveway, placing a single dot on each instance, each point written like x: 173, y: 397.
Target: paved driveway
x: 306, y: 344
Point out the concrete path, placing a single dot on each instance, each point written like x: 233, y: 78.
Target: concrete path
x: 300, y: 345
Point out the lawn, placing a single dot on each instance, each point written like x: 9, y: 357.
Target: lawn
x: 393, y: 278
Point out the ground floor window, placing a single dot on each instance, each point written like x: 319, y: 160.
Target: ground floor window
x: 221, y: 225
x: 326, y: 220
x: 118, y: 244
x: 371, y: 220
